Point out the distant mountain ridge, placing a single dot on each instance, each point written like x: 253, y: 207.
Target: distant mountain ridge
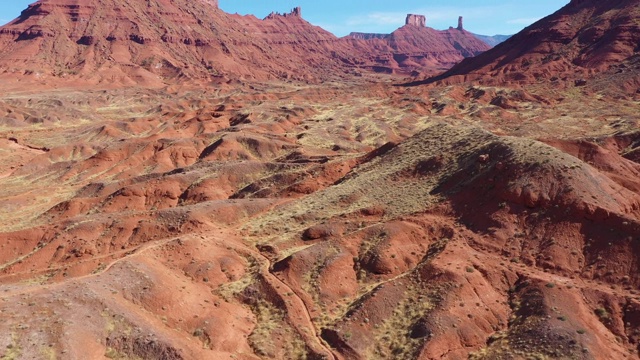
x: 367, y: 36
x: 493, y: 40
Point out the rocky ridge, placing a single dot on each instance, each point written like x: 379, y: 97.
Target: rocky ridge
x: 584, y: 38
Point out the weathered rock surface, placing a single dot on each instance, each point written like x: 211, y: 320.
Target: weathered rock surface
x: 161, y: 41
x: 584, y: 38
x: 152, y: 42
x: 416, y: 20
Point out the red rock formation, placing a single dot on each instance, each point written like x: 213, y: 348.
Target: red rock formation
x: 583, y: 38
x: 160, y: 41
x: 213, y: 3
x: 460, y: 25
x: 295, y: 12
x: 416, y: 20
x: 152, y: 42
x: 415, y: 47
x: 163, y: 41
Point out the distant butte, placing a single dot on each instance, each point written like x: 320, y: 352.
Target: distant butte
x: 416, y: 20
x: 296, y: 12
x: 420, y: 48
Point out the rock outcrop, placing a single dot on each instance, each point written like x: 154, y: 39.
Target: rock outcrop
x: 160, y: 41
x: 164, y: 41
x: 295, y: 12
x: 460, y: 25
x: 583, y: 38
x: 416, y: 20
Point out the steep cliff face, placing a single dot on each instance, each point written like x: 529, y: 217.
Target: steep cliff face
x: 583, y: 38
x: 416, y: 20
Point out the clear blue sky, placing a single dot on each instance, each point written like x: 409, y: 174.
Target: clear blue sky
x: 488, y: 17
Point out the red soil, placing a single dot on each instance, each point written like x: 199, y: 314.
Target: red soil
x: 584, y: 38
x: 256, y: 218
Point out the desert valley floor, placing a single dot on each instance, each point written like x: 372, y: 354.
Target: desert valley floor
x: 287, y: 221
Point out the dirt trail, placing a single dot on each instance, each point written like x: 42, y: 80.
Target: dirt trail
x: 298, y: 305
x: 128, y: 254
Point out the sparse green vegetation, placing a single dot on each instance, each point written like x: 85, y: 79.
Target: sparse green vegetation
x: 284, y: 162
x: 602, y: 313
x: 270, y: 323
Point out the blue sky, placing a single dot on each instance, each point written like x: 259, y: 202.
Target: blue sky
x: 488, y: 17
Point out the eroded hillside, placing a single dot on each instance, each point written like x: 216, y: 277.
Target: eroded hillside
x: 282, y: 222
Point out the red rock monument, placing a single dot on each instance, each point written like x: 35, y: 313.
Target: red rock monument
x: 416, y: 20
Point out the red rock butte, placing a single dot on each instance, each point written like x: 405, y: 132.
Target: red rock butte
x: 416, y: 20
x: 416, y: 48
